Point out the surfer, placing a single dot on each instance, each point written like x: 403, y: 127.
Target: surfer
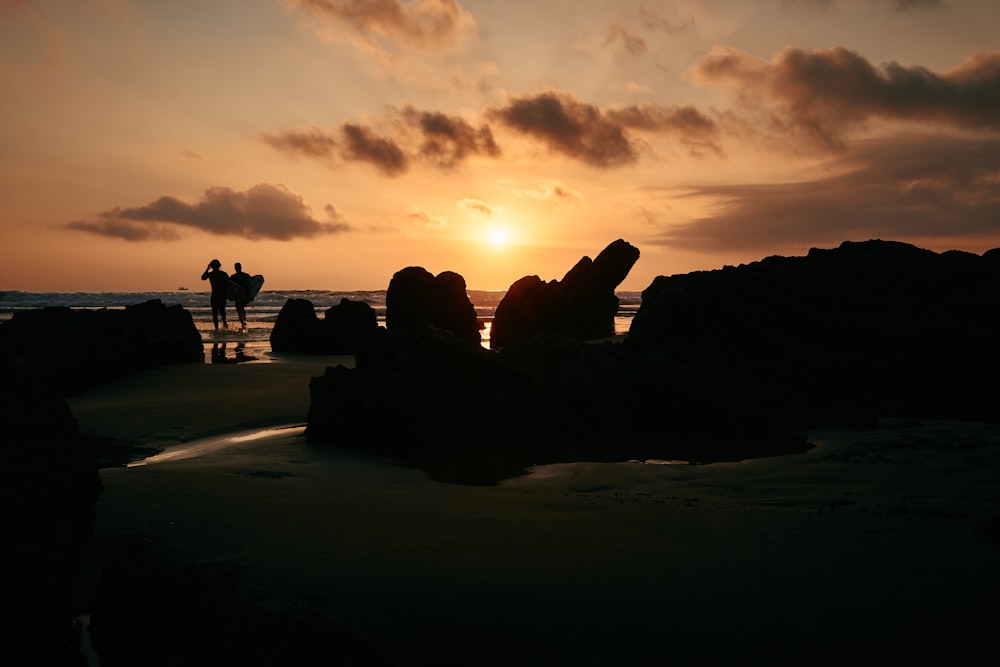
x: 243, y: 280
x: 218, y: 278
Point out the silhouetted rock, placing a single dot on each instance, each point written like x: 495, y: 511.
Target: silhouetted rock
x: 345, y: 327
x: 844, y: 335
x: 718, y: 365
x: 297, y: 329
x: 429, y: 398
x: 416, y: 298
x: 349, y: 325
x: 583, y: 305
x: 48, y: 493
x: 73, y: 350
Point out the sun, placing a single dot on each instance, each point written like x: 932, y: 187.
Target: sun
x: 497, y: 237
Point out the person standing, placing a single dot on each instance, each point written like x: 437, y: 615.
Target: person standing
x: 218, y: 278
x: 243, y: 280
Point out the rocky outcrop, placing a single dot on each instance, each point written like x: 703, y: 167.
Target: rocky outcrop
x: 416, y: 298
x: 582, y: 305
x: 48, y: 493
x: 345, y: 327
x: 840, y: 335
x: 72, y: 350
x: 718, y: 365
x: 431, y: 399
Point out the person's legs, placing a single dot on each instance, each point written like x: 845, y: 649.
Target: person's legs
x: 219, y: 312
x: 241, y: 311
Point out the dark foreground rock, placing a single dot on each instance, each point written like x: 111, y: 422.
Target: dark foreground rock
x: 432, y: 399
x: 582, y: 305
x: 48, y: 494
x: 344, y: 329
x: 841, y: 335
x: 416, y: 298
x: 718, y: 365
x: 73, y: 350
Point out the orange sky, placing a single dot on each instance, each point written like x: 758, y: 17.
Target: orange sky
x: 329, y: 143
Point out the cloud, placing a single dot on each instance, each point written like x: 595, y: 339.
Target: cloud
x: 821, y: 95
x: 109, y: 225
x: 568, y: 126
x: 263, y: 211
x: 903, y: 5
x: 448, y: 140
x: 476, y: 205
x: 916, y: 188
x: 351, y: 142
x: 420, y: 24
x: 422, y: 222
x: 685, y: 120
x: 652, y: 20
x: 437, y: 138
x: 313, y: 142
x: 558, y: 120
x: 619, y: 37
x: 361, y: 143
x: 545, y: 189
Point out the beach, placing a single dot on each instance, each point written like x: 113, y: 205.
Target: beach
x: 873, y: 545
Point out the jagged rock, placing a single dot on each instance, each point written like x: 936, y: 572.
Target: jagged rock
x: 73, y: 350
x: 583, y: 305
x: 345, y: 327
x: 416, y: 298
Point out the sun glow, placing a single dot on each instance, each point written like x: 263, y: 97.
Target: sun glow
x: 497, y: 237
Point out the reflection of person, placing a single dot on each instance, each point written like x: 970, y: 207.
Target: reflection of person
x: 243, y: 280
x: 218, y: 278
x: 219, y: 354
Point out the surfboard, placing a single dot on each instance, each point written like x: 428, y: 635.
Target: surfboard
x: 234, y: 292
x: 256, y: 282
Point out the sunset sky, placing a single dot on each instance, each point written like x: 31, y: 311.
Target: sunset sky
x: 329, y: 143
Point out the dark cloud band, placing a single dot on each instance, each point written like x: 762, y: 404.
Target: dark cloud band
x: 263, y: 211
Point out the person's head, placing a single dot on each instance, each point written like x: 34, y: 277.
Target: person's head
x: 239, y: 267
x: 215, y: 264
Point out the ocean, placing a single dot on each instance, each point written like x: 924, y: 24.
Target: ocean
x: 262, y: 311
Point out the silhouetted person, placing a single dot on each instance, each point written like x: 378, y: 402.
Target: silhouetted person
x: 215, y: 275
x: 243, y: 280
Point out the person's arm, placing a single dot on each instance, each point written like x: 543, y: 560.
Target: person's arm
x: 204, y: 276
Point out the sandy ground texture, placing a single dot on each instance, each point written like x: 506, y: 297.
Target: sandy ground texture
x: 873, y: 546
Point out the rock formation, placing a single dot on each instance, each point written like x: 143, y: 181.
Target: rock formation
x: 429, y: 398
x: 582, y: 305
x: 718, y: 365
x: 48, y: 495
x: 73, y: 350
x: 416, y: 298
x: 866, y: 329
x: 345, y: 327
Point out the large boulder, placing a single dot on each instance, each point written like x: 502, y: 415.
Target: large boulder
x: 349, y: 325
x: 345, y: 327
x: 582, y: 305
x: 73, y: 350
x: 297, y: 329
x: 417, y: 298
